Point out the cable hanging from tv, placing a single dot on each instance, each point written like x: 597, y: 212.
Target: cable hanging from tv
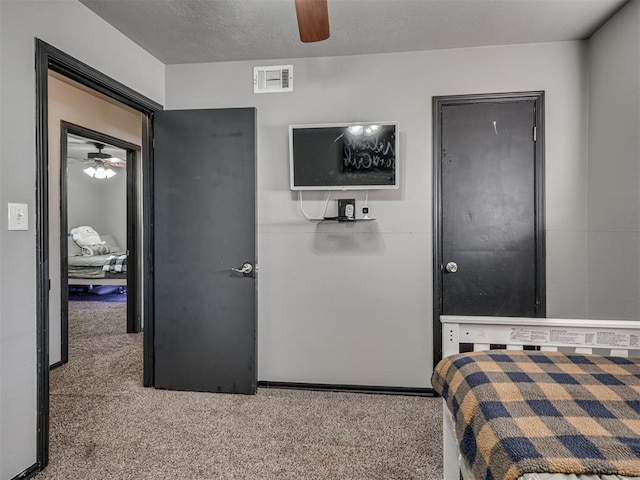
x: 310, y: 217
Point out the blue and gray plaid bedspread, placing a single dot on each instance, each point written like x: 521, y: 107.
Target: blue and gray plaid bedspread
x: 115, y: 263
x: 522, y: 412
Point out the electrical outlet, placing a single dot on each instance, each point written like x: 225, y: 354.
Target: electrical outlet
x: 18, y: 216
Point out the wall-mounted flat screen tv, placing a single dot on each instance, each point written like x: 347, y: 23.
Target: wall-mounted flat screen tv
x: 344, y: 156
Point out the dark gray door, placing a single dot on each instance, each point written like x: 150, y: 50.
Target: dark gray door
x: 490, y: 219
x: 204, y: 226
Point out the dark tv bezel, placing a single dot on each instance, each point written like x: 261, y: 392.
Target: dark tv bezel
x: 342, y: 187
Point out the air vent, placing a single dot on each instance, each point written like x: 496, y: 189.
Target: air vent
x: 273, y: 79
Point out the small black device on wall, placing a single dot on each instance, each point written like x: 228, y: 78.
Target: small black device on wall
x: 346, y: 209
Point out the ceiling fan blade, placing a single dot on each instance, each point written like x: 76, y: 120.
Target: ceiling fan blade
x: 313, y: 20
x: 113, y: 160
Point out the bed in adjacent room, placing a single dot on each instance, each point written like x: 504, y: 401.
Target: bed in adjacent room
x: 567, y: 407
x: 99, y: 268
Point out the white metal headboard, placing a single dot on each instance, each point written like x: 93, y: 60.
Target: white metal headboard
x: 611, y: 337
x: 619, y: 338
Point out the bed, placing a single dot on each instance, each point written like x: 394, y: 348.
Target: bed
x: 107, y: 269
x: 540, y: 398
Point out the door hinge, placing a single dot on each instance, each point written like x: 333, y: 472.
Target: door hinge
x: 49, y: 281
x: 535, y: 134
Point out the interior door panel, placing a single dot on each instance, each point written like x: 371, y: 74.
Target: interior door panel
x: 488, y: 209
x: 204, y: 226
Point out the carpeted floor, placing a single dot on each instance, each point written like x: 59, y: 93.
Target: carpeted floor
x: 105, y: 425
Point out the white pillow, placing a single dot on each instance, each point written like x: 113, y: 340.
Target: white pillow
x: 85, y: 236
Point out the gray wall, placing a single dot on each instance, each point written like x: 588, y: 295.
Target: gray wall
x: 76, y: 30
x: 614, y: 168
x: 101, y: 204
x: 352, y: 304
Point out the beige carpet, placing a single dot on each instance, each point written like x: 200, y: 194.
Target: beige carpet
x: 105, y: 425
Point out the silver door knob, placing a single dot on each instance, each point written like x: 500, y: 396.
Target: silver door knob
x: 246, y: 268
x: 451, y: 267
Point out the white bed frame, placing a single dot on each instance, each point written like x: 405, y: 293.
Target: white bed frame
x: 122, y: 282
x: 620, y: 338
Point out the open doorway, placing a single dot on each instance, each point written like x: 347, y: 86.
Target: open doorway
x: 98, y: 193
x: 77, y: 110
x: 51, y: 60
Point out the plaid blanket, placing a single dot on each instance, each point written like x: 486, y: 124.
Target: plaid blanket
x: 115, y: 263
x: 520, y: 412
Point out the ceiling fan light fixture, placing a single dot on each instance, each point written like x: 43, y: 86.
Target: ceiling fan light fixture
x: 100, y: 164
x: 102, y: 157
x: 100, y: 174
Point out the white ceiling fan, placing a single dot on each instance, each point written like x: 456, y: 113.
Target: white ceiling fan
x: 101, y: 165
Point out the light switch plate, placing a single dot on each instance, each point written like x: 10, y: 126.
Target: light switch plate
x: 18, y: 216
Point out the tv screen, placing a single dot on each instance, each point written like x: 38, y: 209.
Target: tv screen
x: 346, y: 156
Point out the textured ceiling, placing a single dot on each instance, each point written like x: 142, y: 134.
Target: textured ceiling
x: 198, y: 31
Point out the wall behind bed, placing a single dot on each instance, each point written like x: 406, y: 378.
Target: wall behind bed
x: 614, y: 168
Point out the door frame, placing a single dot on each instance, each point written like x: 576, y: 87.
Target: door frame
x: 134, y: 310
x: 48, y: 58
x: 540, y: 250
